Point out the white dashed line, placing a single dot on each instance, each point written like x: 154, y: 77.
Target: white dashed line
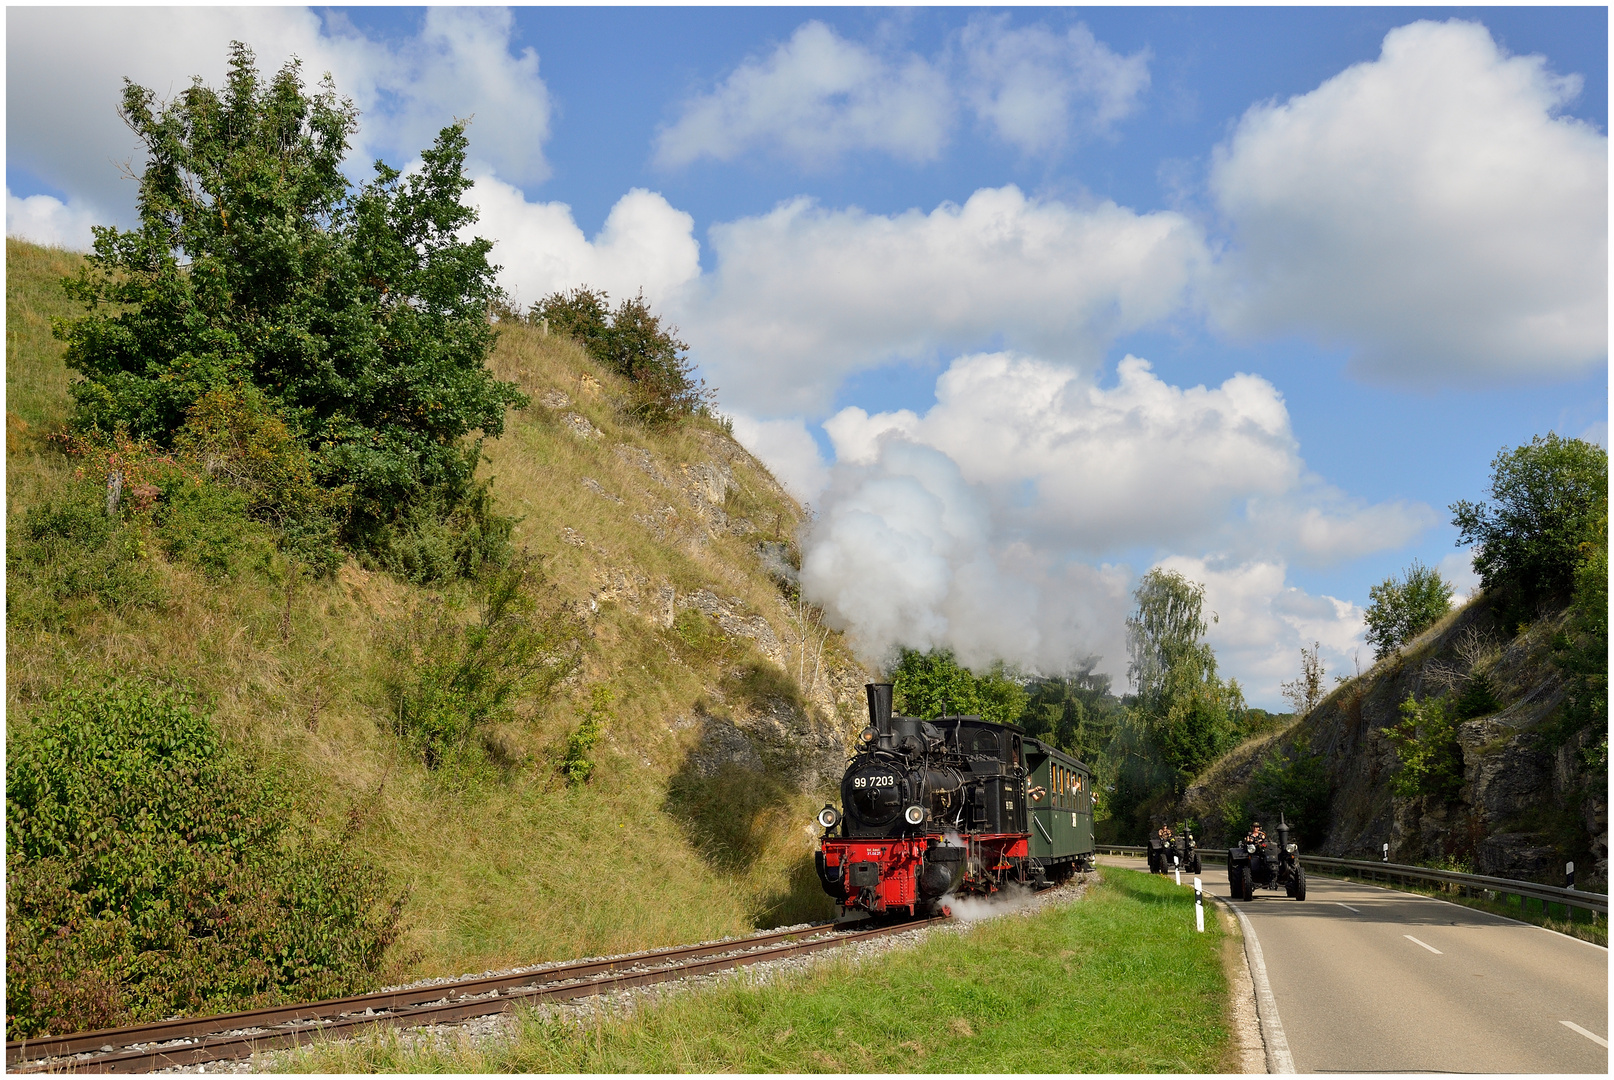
x: 1426, y: 945
x: 1347, y: 907
x: 1572, y: 1026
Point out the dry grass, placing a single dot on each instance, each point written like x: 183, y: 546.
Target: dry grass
x: 517, y: 868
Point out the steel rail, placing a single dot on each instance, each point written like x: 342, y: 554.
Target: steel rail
x: 165, y: 1030
x: 440, y: 1003
x: 1547, y: 894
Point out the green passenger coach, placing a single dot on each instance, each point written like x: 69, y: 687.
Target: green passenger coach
x: 1059, y: 795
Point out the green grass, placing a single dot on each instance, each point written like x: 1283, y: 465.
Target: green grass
x: 1117, y: 982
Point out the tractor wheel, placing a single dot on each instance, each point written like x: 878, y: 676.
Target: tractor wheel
x: 1246, y: 884
x: 1199, y: 867
x: 1300, y: 882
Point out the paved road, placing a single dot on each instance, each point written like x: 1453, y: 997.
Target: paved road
x: 1372, y: 980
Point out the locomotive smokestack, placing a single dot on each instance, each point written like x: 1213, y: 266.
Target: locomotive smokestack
x: 879, y: 706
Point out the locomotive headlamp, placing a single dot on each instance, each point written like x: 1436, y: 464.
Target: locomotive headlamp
x: 827, y: 817
x: 914, y: 815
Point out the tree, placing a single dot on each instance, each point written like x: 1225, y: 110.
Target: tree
x: 359, y: 316
x: 1074, y: 710
x: 933, y: 684
x: 1188, y: 714
x: 1545, y: 500
x: 1305, y: 692
x: 1401, y: 609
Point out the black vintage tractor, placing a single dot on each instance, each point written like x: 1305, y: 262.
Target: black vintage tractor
x: 1178, y: 853
x: 1266, y: 865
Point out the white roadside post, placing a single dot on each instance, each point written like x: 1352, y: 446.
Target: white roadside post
x: 1199, y: 906
x: 1176, y: 869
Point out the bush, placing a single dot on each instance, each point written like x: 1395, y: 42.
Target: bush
x: 577, y: 760
x: 69, y: 552
x: 1426, y: 743
x: 632, y: 343
x: 1546, y: 498
x: 1293, y: 783
x: 451, y: 679
x: 151, y: 871
x: 1581, y: 652
x: 1401, y: 609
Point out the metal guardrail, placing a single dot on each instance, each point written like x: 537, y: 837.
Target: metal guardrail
x: 1596, y: 903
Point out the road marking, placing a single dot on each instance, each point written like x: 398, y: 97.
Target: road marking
x: 1425, y: 944
x: 1572, y: 1026
x: 1347, y: 907
x: 1279, y: 1060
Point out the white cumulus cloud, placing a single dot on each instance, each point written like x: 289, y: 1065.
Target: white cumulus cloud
x: 1430, y: 208
x: 788, y: 449
x: 813, y: 98
x: 49, y: 221
x: 68, y: 64
x: 644, y: 244
x: 803, y: 296
x: 1036, y: 89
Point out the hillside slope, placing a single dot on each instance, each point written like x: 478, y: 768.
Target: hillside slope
x: 1527, y: 801
x: 729, y: 706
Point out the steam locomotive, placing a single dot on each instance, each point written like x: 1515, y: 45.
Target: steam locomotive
x: 960, y: 805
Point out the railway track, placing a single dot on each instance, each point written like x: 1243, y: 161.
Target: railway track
x: 229, y: 1036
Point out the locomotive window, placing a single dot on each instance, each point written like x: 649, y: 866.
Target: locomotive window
x: 986, y: 742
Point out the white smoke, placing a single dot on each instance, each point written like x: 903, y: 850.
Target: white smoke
x: 1009, y: 899
x: 906, y: 553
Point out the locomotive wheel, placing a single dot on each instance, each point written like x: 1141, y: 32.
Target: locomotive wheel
x: 1300, y: 882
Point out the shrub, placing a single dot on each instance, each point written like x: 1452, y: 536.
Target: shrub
x: 68, y: 552
x: 1293, y: 782
x: 1546, y: 498
x: 1401, y: 609
x: 1426, y: 742
x: 1581, y: 652
x: 632, y: 343
x: 577, y: 760
x: 452, y: 679
x: 153, y: 871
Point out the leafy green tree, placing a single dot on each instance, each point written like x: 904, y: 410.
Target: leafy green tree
x: 932, y: 684
x: 1545, y: 501
x: 633, y: 343
x: 1075, y: 711
x: 358, y: 317
x: 1188, y: 714
x: 1582, y: 649
x: 1294, y: 782
x: 1426, y: 742
x: 1400, y: 609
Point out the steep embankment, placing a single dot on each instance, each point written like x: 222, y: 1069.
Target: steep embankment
x: 1526, y: 802
x: 729, y: 705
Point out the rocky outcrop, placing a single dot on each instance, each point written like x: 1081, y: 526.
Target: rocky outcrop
x: 1519, y: 786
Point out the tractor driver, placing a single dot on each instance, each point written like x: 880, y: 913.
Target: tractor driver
x: 1256, y: 836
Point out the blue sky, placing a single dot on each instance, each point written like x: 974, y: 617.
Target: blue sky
x: 1375, y: 237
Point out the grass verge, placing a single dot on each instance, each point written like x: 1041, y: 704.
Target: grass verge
x: 1119, y: 982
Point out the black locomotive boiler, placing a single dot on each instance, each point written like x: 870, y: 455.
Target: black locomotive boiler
x: 932, y: 809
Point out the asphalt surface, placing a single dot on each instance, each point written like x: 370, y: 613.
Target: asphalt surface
x: 1372, y: 980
